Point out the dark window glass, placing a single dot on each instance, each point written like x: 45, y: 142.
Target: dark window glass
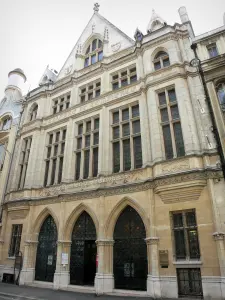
x: 46, y: 173
x: 115, y: 85
x: 97, y: 93
x: 79, y: 143
x: 162, y: 98
x: 54, y: 110
x: 96, y: 138
x: 93, y: 59
x: 137, y: 152
x: 100, y: 55
x: 95, y: 162
x: 133, y: 78
x: 57, y: 136
x: 175, y: 112
x: 167, y: 142
x: 177, y: 220
x: 50, y: 138
x: 125, y: 114
x: 180, y: 244
x: 88, y: 50
x: 55, y: 150
x: 78, y: 160
x: 67, y: 104
x: 99, y: 43
x: 61, y: 107
x: 87, y: 140
x: 166, y: 62
x: 68, y: 97
x: 193, y: 243
x: 126, y: 129
x: 90, y: 96
x: 135, y: 111
x: 116, y: 157
x: 86, y: 163
x: 116, y: 132
x: 86, y: 62
x: 60, y: 169
x: 172, y: 95
x: 64, y: 135
x: 15, y: 240
x: 62, y: 148
x: 80, y: 128
x: 94, y: 45
x: 157, y: 65
x: 164, y: 115
x: 90, y: 87
x: 115, y: 117
x: 88, y: 126
x: 98, y: 84
x: 133, y: 70
x: 124, y: 82
x: 96, y: 124
x: 53, y: 171
x: 126, y: 155
x: 82, y: 98
x: 190, y: 218
x: 49, y: 152
x: 178, y: 139
x: 83, y: 91
x: 212, y: 51
x: 136, y: 127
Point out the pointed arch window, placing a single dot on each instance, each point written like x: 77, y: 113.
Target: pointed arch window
x: 161, y: 60
x: 33, y: 113
x: 221, y: 95
x: 94, y: 53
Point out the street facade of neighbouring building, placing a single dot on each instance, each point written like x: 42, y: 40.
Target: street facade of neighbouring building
x: 111, y: 180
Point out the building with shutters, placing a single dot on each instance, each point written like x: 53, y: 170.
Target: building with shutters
x: 116, y: 185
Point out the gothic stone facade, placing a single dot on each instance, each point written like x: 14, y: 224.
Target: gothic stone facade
x: 115, y: 170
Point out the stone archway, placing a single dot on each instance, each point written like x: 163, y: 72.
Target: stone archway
x: 130, y: 251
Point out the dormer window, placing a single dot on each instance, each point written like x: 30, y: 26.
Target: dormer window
x: 161, y: 60
x: 212, y: 50
x: 6, y: 123
x: 94, y: 53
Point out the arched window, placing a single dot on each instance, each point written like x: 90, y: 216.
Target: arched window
x: 6, y: 123
x: 161, y: 60
x: 33, y: 112
x: 94, y: 53
x: 221, y: 94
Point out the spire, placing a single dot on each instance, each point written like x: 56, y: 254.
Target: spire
x: 156, y: 22
x: 96, y: 7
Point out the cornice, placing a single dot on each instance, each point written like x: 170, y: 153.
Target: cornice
x: 131, y: 182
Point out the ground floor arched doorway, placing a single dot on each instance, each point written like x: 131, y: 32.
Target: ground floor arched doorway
x: 46, y: 251
x: 83, y: 251
x: 130, y: 251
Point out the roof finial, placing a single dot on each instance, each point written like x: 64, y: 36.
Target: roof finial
x: 96, y: 7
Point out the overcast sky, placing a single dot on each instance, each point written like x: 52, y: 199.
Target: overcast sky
x: 35, y: 33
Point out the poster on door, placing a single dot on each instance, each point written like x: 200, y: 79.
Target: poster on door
x: 50, y: 260
x: 128, y: 269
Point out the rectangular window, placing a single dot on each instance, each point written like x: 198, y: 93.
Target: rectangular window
x: 24, y: 160
x: 15, y: 240
x: 126, y: 135
x: 90, y: 91
x: 55, y: 157
x: 171, y: 125
x: 185, y: 235
x: 124, y: 77
x: 2, y: 155
x: 87, y: 147
x: 212, y: 50
x: 61, y: 103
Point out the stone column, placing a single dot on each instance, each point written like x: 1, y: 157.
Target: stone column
x: 104, y: 281
x: 29, y: 258
x: 219, y: 238
x: 153, y: 281
x: 62, y: 275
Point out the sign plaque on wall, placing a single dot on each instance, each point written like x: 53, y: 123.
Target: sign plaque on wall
x: 64, y: 258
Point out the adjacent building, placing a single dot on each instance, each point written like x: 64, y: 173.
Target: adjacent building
x: 116, y: 182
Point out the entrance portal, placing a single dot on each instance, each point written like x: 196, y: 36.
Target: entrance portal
x: 46, y: 251
x: 83, y: 251
x: 130, y: 251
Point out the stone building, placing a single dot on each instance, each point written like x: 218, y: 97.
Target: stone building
x: 116, y: 183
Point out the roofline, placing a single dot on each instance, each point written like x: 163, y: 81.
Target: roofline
x: 208, y: 34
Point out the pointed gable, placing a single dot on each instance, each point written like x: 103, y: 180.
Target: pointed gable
x: 113, y: 40
x: 156, y: 22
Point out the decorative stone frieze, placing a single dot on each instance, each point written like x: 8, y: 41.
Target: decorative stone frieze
x: 105, y: 242
x: 176, y: 166
x: 218, y: 236
x: 152, y: 240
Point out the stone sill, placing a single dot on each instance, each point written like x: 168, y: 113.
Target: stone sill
x: 187, y: 263
x: 11, y: 257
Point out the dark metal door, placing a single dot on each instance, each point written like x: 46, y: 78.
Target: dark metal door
x: 83, y: 251
x: 46, y: 251
x: 189, y: 282
x: 130, y: 251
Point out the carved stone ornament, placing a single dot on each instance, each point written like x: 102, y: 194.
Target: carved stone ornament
x: 152, y: 240
x: 218, y: 236
x: 116, y: 47
x: 68, y: 70
x: 175, y: 166
x: 105, y: 242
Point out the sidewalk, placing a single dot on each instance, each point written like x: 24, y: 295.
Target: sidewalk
x: 12, y: 291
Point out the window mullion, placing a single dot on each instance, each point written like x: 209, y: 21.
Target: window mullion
x: 186, y: 236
